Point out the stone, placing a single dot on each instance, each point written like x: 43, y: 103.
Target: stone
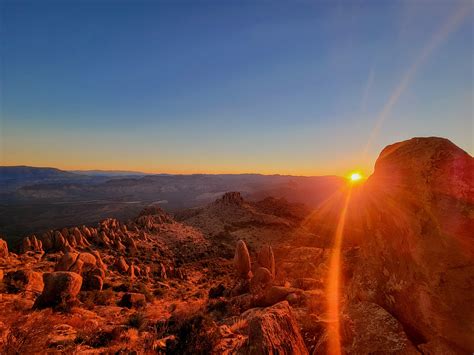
x: 242, y: 260
x: 59, y: 287
x: 76, y: 262
x: 121, y: 265
x: 275, y: 294
x: 133, y: 300
x: 260, y: 280
x: 273, y: 330
x: 66, y: 261
x: 93, y: 282
x: 416, y: 257
x: 3, y: 249
x: 266, y: 259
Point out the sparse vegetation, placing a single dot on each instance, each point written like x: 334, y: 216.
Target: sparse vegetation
x: 137, y: 320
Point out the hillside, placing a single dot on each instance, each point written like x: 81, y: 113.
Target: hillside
x: 237, y: 276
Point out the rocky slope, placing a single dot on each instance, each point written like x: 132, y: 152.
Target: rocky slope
x: 239, y: 277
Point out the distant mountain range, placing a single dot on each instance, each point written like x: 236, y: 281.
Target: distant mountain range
x: 109, y: 172
x: 33, y: 198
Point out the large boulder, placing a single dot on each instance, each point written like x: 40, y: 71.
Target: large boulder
x: 377, y: 332
x: 415, y: 222
x: 242, y: 260
x: 77, y: 262
x: 273, y: 330
x: 59, y: 287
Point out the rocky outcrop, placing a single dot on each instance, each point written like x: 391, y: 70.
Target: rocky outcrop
x: 60, y: 287
x: 417, y: 250
x: 273, y: 330
x: 231, y: 198
x: 32, y: 244
x: 152, y: 216
x: 242, y: 260
x: 77, y: 262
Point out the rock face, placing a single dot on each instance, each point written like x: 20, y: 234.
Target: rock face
x: 377, y: 332
x: 59, y: 287
x: 274, y: 331
x: 418, y: 253
x: 242, y: 260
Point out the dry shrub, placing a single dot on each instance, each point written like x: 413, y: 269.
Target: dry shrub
x: 239, y: 325
x: 141, y: 288
x: 196, y: 333
x: 28, y: 334
x: 98, y: 298
x: 96, y: 339
x: 137, y: 320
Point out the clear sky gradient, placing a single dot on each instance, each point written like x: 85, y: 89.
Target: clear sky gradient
x: 305, y: 88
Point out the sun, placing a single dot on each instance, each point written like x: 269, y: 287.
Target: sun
x: 355, y: 176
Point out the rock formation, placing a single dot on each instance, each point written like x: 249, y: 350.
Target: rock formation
x: 32, y: 244
x: 231, y: 198
x: 59, y: 287
x: 266, y: 259
x: 242, y: 260
x: 274, y: 331
x: 3, y: 249
x: 417, y: 256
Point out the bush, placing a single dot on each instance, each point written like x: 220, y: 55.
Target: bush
x: 97, y: 298
x: 137, y: 320
x: 196, y: 334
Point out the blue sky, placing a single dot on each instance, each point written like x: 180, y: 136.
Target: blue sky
x: 230, y: 86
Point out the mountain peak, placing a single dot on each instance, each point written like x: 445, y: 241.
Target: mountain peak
x: 231, y: 198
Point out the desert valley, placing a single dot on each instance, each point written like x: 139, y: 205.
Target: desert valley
x: 382, y: 266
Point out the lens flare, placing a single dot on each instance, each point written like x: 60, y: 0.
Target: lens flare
x: 355, y: 176
x: 334, y: 286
